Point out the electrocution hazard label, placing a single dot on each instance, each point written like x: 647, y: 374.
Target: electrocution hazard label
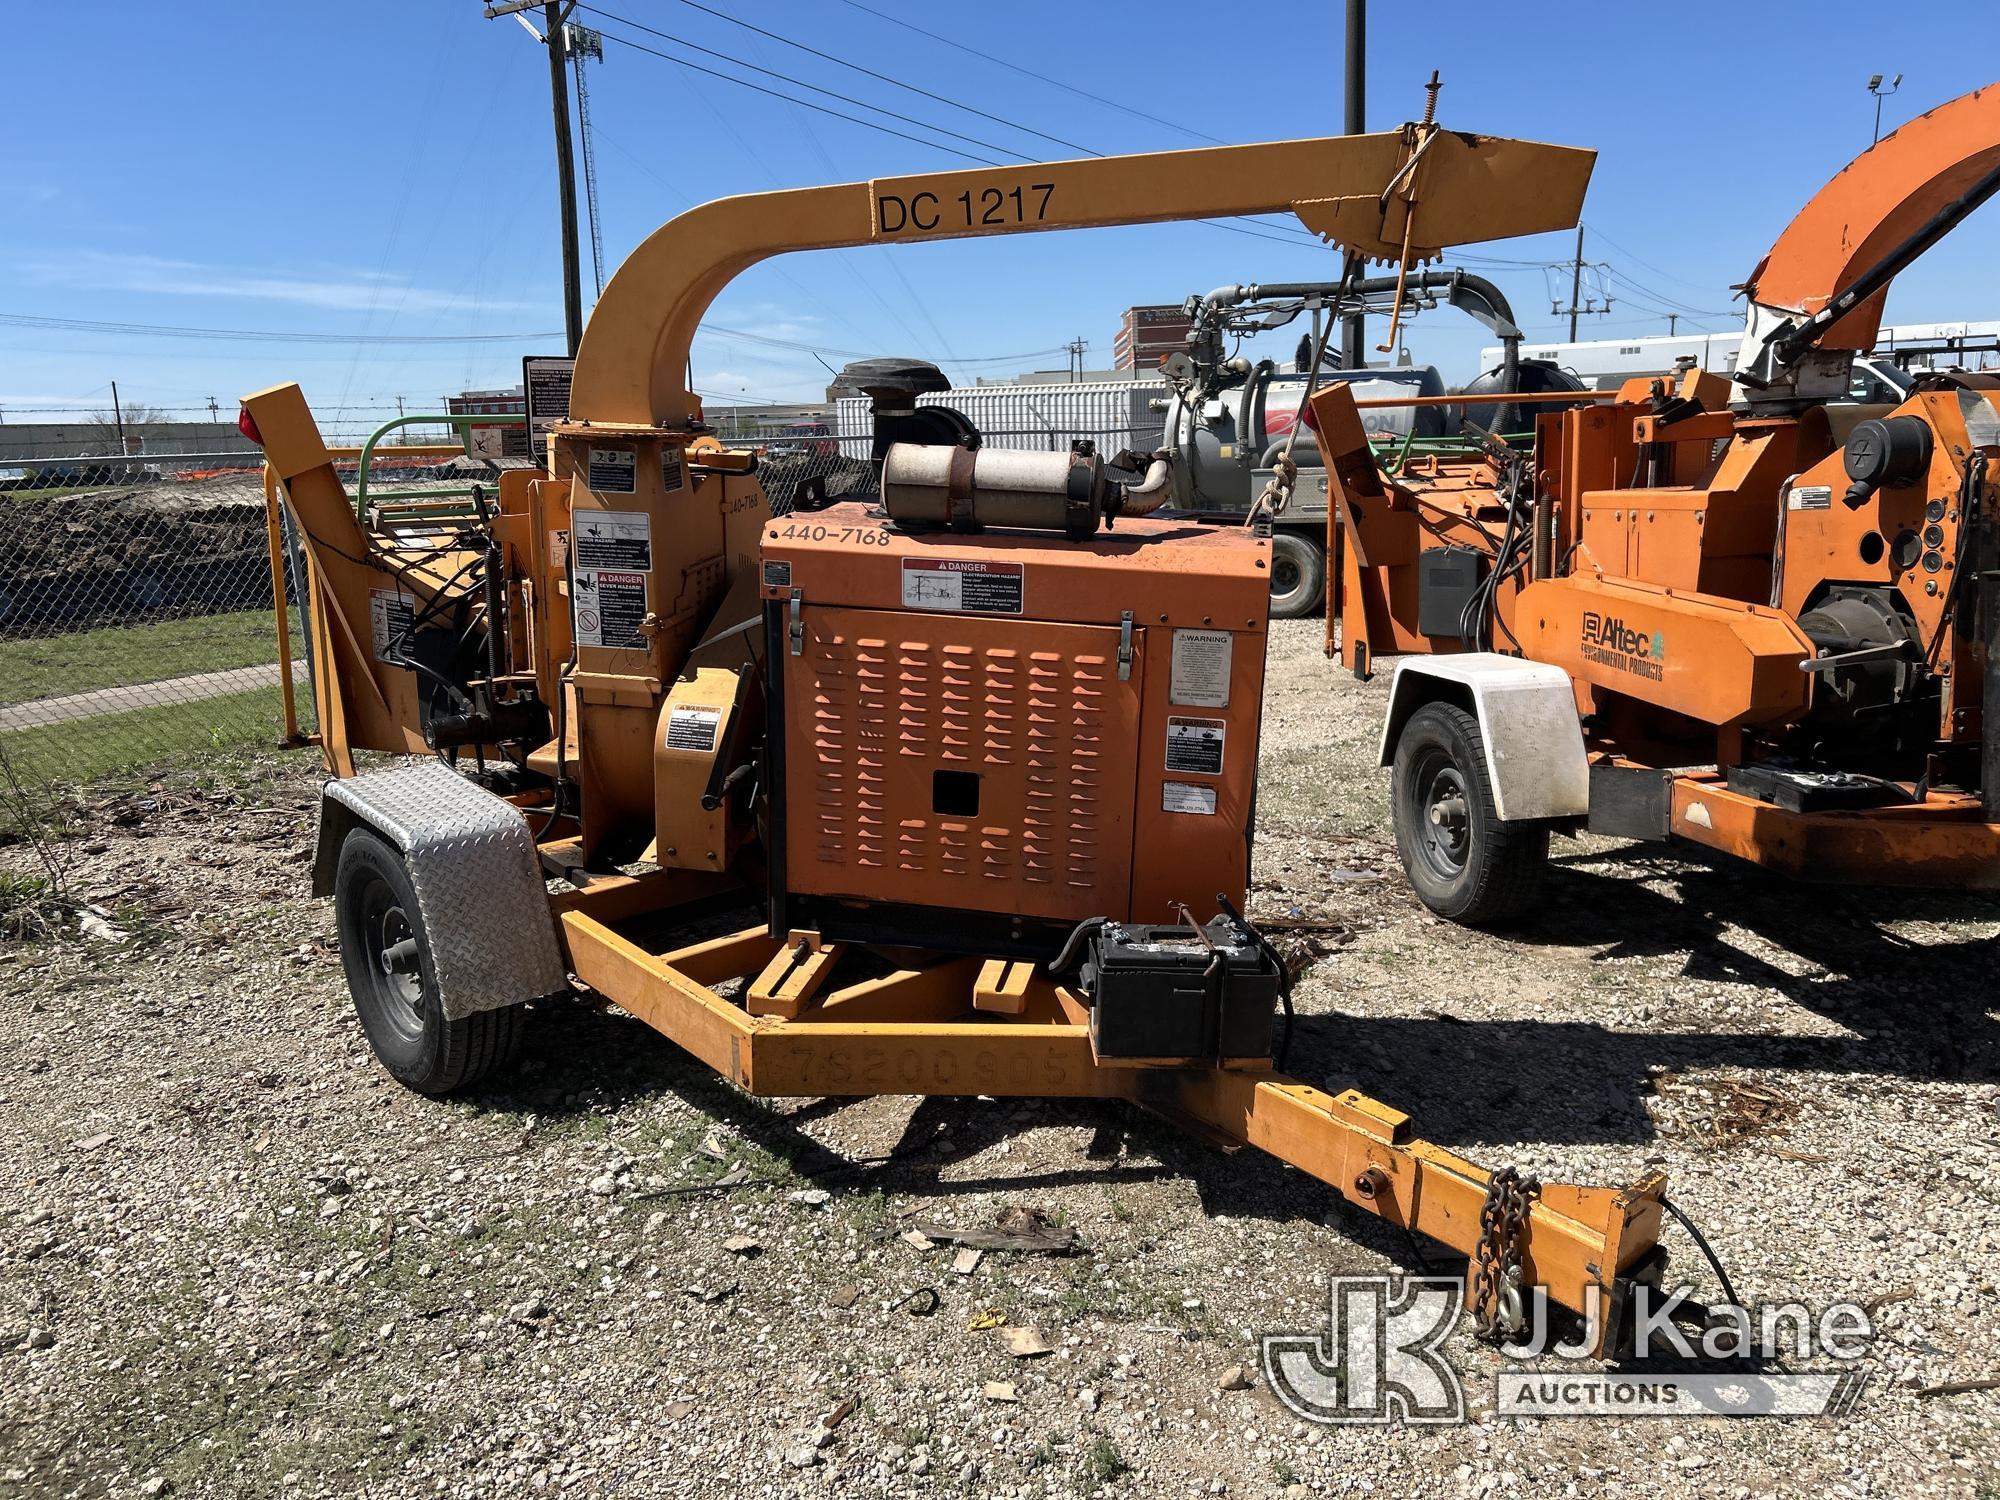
x: 1194, y: 746
x: 690, y: 726
x: 973, y: 588
x: 618, y: 539
x: 610, y: 607
x: 614, y: 470
x: 1187, y: 797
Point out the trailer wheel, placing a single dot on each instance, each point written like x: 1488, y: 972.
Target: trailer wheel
x: 1467, y: 864
x: 1298, y: 575
x: 387, y: 956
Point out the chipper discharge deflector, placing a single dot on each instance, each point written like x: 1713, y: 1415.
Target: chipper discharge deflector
x: 949, y: 793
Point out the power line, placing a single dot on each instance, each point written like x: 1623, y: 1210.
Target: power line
x: 1661, y: 298
x: 1094, y: 98
x: 738, y: 62
x: 1669, y: 275
x: 854, y: 67
x: 1290, y: 235
x: 162, y: 330
x: 744, y: 83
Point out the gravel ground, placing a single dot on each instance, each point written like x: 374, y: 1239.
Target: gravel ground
x: 236, y: 1260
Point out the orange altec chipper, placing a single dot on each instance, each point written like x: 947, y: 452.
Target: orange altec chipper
x: 947, y: 789
x: 1754, y: 614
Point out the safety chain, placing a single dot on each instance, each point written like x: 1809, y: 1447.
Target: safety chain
x: 1497, y: 1305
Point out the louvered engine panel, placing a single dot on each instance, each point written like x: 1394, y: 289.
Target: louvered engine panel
x: 880, y: 702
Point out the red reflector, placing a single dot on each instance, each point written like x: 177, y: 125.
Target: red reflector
x: 1311, y: 420
x: 247, y: 425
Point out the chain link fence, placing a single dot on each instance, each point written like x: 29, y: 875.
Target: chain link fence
x: 139, y: 627
x: 137, y: 618
x: 138, y: 613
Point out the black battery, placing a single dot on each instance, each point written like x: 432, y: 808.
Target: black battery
x: 1447, y: 578
x: 1178, y: 995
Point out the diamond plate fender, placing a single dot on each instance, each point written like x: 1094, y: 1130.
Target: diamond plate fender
x: 480, y: 892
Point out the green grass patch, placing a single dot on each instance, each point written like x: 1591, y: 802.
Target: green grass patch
x: 57, y: 665
x: 1102, y: 1463
x: 212, y: 733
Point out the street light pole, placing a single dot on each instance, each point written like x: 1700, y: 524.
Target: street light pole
x: 1880, y: 93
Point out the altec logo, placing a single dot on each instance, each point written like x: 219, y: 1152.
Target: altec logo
x: 1612, y: 642
x: 1614, y: 634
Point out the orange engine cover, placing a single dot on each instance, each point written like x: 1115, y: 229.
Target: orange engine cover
x: 1010, y: 725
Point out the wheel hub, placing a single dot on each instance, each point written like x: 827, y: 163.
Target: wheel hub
x: 1447, y: 826
x: 396, y: 955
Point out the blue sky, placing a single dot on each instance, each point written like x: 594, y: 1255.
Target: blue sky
x: 349, y: 170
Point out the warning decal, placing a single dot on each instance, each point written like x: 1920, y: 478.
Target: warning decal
x: 1186, y: 797
x: 777, y: 575
x: 617, y: 539
x: 973, y: 588
x: 391, y: 613
x: 672, y: 475
x: 1194, y: 746
x: 614, y: 470
x: 1200, y: 676
x: 691, y: 726
x: 609, y: 608
x: 1810, y: 497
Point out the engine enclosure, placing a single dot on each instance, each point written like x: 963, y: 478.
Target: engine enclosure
x: 979, y: 742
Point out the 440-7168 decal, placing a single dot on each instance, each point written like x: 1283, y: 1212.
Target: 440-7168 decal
x: 864, y: 536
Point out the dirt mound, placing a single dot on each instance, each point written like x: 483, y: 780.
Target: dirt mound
x: 133, y: 553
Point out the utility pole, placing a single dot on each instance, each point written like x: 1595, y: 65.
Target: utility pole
x: 214, y: 409
x: 118, y: 416
x: 1356, y: 123
x: 555, y: 16
x: 1075, y: 348
x: 1576, y: 284
x: 399, y: 406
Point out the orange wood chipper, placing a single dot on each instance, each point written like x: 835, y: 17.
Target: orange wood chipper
x: 1752, y: 615
x: 949, y: 794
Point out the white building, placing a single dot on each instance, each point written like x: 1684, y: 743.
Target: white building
x: 1606, y: 363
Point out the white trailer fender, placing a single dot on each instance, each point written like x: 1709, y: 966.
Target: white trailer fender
x: 1527, y: 718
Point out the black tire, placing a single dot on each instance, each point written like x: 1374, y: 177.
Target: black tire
x: 1298, y: 575
x: 375, y: 910
x: 1466, y: 863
